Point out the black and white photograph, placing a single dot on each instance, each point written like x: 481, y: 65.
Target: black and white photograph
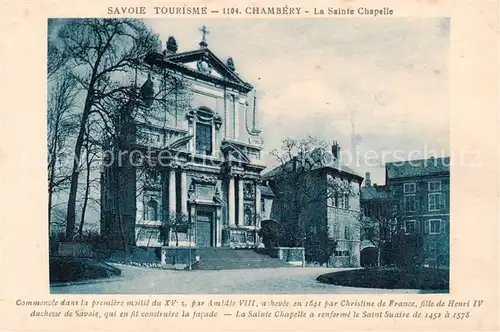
x: 255, y: 156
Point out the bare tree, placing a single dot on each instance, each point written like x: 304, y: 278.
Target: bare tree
x: 91, y: 158
x: 100, y: 52
x: 61, y: 124
x: 385, y: 221
x: 300, y: 187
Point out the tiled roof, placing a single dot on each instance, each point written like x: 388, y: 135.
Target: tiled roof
x: 266, y: 191
x: 325, y: 162
x: 418, y: 168
x: 373, y: 192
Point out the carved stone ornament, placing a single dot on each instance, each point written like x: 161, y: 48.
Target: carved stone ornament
x: 177, y: 165
x: 152, y: 177
x: 217, y: 122
x: 249, y: 191
x: 191, y: 115
x: 205, y: 179
x: 230, y: 64
x: 218, y: 195
x: 204, y: 66
x: 256, y: 140
x: 191, y: 193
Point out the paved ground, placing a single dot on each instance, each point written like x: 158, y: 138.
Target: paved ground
x: 138, y: 280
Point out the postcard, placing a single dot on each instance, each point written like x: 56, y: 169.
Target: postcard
x: 269, y: 166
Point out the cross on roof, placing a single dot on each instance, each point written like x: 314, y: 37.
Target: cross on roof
x: 204, y: 33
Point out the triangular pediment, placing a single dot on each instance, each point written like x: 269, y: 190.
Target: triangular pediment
x: 216, y: 67
x: 232, y: 153
x: 194, y: 66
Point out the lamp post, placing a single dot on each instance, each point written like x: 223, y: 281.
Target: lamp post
x: 190, y: 258
x: 189, y: 239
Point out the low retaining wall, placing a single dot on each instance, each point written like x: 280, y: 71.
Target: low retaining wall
x: 73, y: 249
x: 179, y: 257
x: 294, y: 256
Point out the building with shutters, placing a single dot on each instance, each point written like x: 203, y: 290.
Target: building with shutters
x: 422, y: 191
x: 417, y: 192
x: 327, y: 193
x: 203, y: 159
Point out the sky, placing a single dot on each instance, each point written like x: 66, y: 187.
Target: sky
x: 386, y: 77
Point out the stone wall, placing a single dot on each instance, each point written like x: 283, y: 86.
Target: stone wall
x: 293, y: 256
x: 344, y: 227
x: 178, y: 257
x: 73, y: 249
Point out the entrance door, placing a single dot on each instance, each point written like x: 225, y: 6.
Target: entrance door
x: 204, y: 229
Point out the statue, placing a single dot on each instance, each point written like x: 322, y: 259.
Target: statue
x: 230, y: 64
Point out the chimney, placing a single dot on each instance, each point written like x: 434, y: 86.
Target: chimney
x: 336, y: 150
x: 368, y: 181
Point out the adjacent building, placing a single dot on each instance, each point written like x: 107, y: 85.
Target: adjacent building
x: 323, y: 200
x: 421, y: 189
x: 415, y: 200
x: 377, y: 224
x: 202, y: 159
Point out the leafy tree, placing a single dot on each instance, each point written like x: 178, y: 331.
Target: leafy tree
x: 293, y: 181
x: 177, y: 223
x: 270, y: 232
x: 303, y: 187
x: 320, y: 248
x: 387, y: 218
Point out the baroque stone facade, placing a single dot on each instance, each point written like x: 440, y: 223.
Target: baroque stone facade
x: 201, y: 158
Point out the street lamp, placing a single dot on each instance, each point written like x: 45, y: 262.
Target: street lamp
x: 189, y: 239
x: 190, y: 258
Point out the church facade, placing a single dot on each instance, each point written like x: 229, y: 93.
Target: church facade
x: 206, y: 158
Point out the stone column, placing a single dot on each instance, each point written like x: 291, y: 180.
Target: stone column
x: 226, y: 114
x: 241, y: 221
x: 184, y: 192
x: 172, y: 201
x: 214, y: 142
x: 257, y: 206
x: 231, y: 203
x: 236, y: 110
x: 191, y: 131
x: 218, y: 228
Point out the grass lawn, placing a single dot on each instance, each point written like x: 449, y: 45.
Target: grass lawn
x: 70, y: 269
x: 390, y: 278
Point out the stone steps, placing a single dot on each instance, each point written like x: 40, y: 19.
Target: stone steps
x: 225, y: 258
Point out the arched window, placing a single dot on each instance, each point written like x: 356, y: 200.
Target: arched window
x: 206, y: 125
x: 152, y: 210
x: 203, y: 138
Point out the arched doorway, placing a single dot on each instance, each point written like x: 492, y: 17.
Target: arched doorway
x: 368, y: 254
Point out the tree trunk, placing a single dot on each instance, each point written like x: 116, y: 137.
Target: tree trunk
x: 50, y: 207
x: 71, y: 212
x: 86, y: 197
x: 378, y: 255
x: 119, y: 212
x: 52, y: 167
